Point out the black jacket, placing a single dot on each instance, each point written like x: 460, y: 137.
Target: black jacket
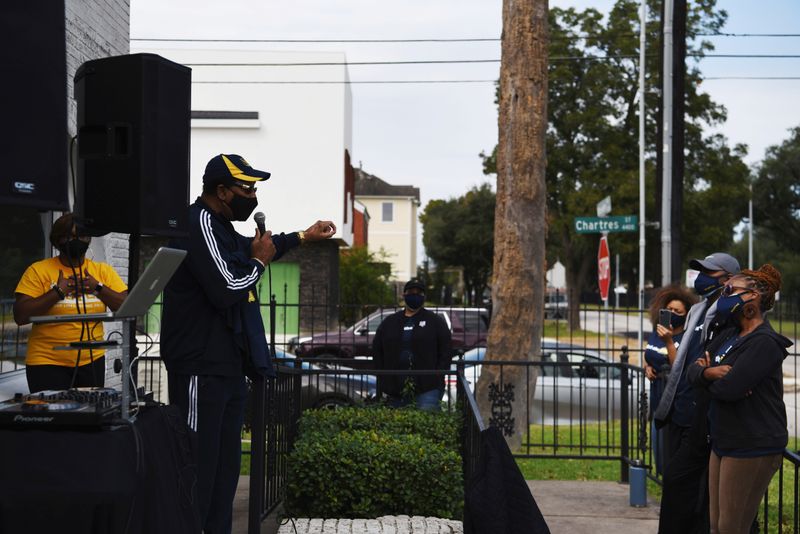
x: 747, y: 403
x: 430, y: 344
x: 211, y: 323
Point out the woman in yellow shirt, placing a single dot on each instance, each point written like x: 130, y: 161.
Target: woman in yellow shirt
x: 67, y: 284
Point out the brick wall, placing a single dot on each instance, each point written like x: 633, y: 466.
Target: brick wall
x: 96, y: 29
x: 319, y: 283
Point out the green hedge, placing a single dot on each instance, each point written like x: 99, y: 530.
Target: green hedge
x: 370, y: 462
x: 440, y: 427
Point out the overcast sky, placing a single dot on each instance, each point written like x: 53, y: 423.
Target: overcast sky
x: 430, y: 135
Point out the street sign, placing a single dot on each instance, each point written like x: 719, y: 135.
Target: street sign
x: 599, y: 225
x: 603, y: 268
x: 604, y: 207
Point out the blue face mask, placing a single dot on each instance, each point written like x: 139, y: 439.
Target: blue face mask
x: 705, y: 284
x: 728, y: 306
x: 414, y: 301
x: 677, y: 321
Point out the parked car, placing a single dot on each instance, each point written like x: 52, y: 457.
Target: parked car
x: 468, y: 326
x: 585, y: 387
x: 556, y: 305
x: 331, y: 391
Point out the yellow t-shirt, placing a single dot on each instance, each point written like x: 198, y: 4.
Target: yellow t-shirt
x: 35, y: 282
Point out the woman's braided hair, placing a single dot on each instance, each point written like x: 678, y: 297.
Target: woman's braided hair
x: 767, y: 281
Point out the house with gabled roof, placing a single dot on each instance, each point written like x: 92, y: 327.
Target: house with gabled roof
x: 393, y: 221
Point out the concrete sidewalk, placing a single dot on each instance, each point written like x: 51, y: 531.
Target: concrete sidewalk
x: 573, y: 507
x: 580, y: 507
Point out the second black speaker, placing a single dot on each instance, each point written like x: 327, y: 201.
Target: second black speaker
x: 134, y: 121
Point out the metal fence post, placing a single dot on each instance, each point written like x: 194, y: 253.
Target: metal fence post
x: 257, y: 444
x: 625, y: 415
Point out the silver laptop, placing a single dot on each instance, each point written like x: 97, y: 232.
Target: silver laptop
x: 140, y: 298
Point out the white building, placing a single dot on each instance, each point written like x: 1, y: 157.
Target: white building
x: 393, y: 221
x: 268, y: 107
x: 297, y: 131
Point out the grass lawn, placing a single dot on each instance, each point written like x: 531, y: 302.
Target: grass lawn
x: 595, y: 438
x: 598, y: 437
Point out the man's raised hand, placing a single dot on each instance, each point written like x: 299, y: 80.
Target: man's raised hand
x: 320, y: 230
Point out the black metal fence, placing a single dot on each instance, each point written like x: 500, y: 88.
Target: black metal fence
x: 590, y: 402
x: 275, y: 415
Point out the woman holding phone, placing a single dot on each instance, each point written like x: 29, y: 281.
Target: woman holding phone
x: 668, y: 315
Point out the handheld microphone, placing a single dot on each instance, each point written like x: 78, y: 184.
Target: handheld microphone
x: 259, y: 217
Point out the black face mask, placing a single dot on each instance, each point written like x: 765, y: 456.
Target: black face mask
x: 74, y: 249
x: 242, y: 207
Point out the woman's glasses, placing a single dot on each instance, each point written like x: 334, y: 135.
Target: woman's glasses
x: 729, y: 290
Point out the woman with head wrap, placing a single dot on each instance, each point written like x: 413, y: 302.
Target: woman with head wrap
x: 747, y: 418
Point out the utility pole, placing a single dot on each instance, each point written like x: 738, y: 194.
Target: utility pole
x: 666, y: 180
x: 750, y: 230
x: 519, y: 261
x: 642, y: 220
x: 678, y: 132
x: 673, y: 137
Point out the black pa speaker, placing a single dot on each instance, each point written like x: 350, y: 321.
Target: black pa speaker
x: 33, y: 132
x: 134, y: 118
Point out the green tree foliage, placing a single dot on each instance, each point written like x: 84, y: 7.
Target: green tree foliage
x: 592, y: 141
x: 459, y: 232
x: 776, y: 207
x: 780, y: 252
x: 776, y: 192
x: 363, y: 283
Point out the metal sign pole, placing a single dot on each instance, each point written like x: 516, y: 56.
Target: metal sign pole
x: 125, y: 375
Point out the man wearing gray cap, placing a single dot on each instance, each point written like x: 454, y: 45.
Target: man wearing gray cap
x: 683, y: 506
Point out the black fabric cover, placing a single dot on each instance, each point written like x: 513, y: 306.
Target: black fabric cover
x: 498, y: 500
x: 91, y: 482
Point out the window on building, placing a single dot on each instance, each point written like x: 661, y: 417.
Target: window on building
x: 22, y: 244
x: 388, y: 212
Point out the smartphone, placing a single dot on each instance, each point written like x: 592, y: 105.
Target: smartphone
x: 664, y: 318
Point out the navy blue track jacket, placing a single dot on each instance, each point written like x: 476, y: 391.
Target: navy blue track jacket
x: 211, y: 323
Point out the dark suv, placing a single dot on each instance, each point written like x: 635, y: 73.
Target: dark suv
x: 468, y: 326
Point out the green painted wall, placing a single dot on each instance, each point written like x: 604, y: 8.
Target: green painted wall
x: 286, y: 287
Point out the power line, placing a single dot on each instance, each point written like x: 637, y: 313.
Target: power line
x: 344, y: 41
x: 750, y: 78
x: 466, y: 81
x: 432, y: 40
x: 723, y: 34
x: 346, y: 82
x: 463, y: 61
x: 401, y: 62
x: 747, y: 56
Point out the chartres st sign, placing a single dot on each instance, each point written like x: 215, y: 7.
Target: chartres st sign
x: 599, y: 225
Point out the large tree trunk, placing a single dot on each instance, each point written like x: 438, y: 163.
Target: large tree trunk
x: 520, y: 226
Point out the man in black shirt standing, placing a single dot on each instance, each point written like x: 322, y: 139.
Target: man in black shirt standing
x: 414, y: 338
x: 212, y: 333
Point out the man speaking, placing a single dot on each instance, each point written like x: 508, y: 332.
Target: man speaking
x: 212, y: 333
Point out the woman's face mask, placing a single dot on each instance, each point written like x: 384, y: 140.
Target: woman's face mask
x: 677, y: 321
x: 74, y: 249
x: 730, y: 304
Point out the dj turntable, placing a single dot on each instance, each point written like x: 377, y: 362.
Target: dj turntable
x: 80, y: 407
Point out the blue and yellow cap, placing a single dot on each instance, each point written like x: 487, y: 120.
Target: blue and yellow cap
x: 227, y: 169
